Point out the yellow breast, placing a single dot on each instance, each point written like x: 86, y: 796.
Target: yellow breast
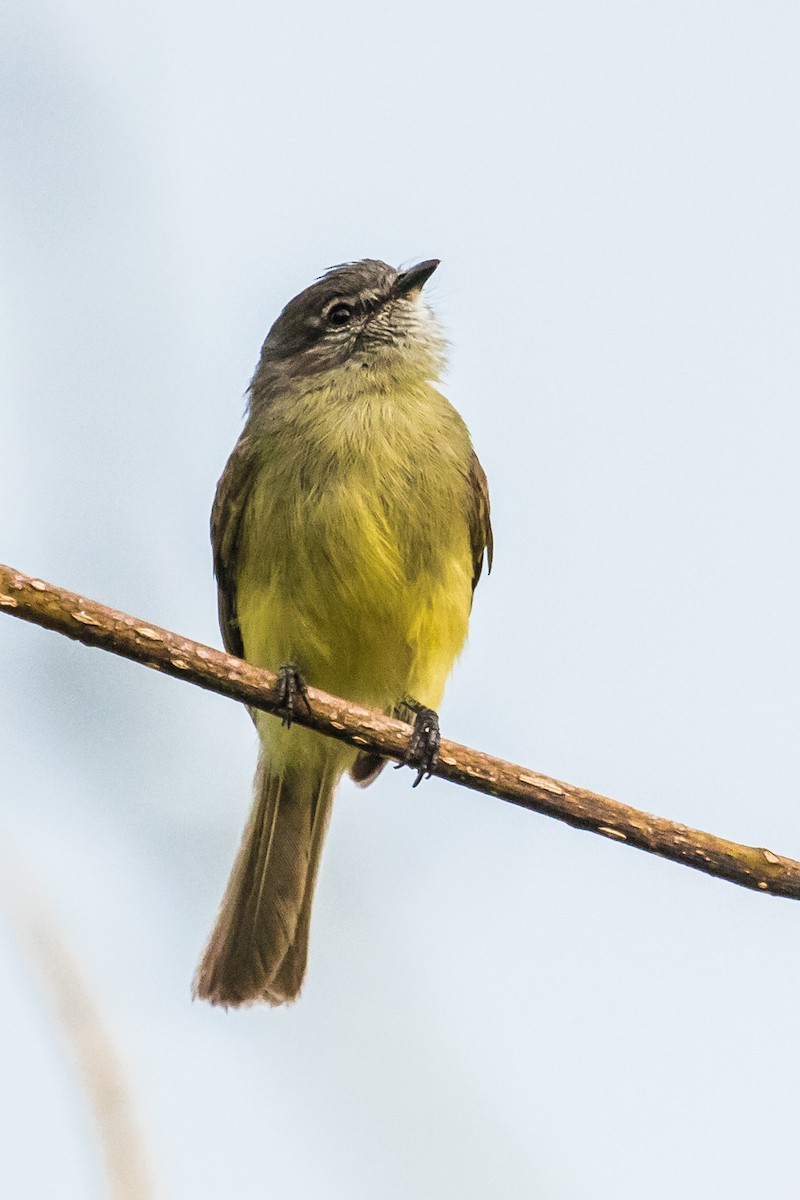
x: 355, y: 561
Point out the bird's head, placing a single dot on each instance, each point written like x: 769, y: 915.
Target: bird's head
x: 364, y: 317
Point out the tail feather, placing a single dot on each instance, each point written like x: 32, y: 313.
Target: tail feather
x: 286, y: 985
x: 258, y: 948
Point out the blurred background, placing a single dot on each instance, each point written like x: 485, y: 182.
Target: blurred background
x: 497, y: 1005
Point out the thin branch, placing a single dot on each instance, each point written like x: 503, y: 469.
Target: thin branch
x: 100, y: 1070
x: 95, y: 625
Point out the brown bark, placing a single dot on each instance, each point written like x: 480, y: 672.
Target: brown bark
x: 95, y: 625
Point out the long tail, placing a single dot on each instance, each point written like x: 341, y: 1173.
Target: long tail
x: 258, y: 948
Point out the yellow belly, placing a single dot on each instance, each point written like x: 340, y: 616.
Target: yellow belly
x: 362, y: 578
x: 374, y: 650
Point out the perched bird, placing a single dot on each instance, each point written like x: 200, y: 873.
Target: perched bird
x: 349, y: 530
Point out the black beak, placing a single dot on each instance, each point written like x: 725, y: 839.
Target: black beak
x: 415, y: 278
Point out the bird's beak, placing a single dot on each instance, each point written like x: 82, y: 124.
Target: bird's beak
x: 414, y: 279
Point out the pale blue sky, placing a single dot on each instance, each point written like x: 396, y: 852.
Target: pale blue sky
x: 497, y: 1006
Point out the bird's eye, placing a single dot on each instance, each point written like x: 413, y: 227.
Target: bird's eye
x: 340, y: 314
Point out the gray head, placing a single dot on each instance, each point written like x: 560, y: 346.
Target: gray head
x: 365, y: 317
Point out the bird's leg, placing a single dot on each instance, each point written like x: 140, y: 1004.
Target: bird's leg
x: 423, y: 745
x: 290, y: 686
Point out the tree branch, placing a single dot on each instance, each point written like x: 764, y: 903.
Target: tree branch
x: 95, y: 625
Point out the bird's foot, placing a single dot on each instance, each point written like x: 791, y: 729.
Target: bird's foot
x: 423, y: 745
x: 290, y: 688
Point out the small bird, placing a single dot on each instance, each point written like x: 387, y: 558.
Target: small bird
x: 349, y: 530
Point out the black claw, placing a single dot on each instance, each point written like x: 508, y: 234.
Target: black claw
x: 423, y: 745
x: 290, y: 686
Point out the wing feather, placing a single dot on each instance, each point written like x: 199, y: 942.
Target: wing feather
x: 480, y: 525
x: 230, y: 503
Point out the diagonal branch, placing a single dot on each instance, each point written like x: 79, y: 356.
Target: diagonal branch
x: 95, y: 625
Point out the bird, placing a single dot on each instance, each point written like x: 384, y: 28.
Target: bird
x: 349, y: 530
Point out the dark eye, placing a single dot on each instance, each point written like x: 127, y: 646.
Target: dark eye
x: 340, y: 314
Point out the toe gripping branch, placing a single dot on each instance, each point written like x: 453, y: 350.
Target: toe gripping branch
x: 291, y: 688
x: 423, y: 745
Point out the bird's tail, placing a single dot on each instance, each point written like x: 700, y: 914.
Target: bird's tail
x: 258, y: 948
